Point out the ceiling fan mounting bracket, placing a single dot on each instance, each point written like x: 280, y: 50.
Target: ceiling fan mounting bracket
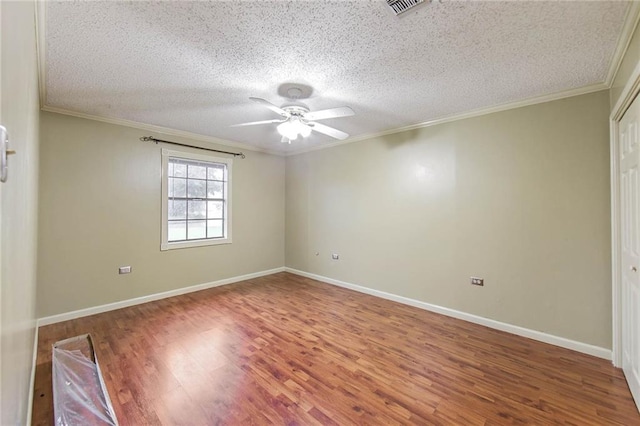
x: 295, y: 91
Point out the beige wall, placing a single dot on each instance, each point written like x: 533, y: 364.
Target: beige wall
x: 19, y: 114
x: 100, y: 209
x: 520, y: 198
x: 629, y: 62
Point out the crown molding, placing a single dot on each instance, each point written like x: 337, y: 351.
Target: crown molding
x: 41, y: 15
x: 461, y: 116
x: 631, y: 21
x: 161, y: 130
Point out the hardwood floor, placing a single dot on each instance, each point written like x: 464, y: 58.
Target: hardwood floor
x: 284, y: 349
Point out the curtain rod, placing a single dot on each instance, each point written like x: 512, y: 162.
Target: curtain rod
x: 152, y: 139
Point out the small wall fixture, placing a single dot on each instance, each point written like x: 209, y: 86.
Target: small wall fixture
x: 4, y: 152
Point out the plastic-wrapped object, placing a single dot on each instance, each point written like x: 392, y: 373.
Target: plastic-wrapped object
x: 79, y: 394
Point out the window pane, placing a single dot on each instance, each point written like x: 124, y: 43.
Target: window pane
x: 179, y: 170
x: 196, y: 188
x: 197, y: 209
x: 214, y: 229
x: 214, y: 189
x: 177, y: 187
x: 196, y: 194
x: 196, y: 229
x: 177, y: 209
x: 177, y: 231
x: 215, y: 173
x: 199, y: 172
x: 215, y: 209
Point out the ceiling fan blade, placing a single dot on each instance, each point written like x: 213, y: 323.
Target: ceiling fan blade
x: 329, y: 131
x: 271, y: 106
x: 323, y: 114
x: 253, y: 123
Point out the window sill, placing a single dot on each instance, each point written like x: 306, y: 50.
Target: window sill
x: 199, y: 243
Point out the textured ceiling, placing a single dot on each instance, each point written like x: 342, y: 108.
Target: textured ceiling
x: 192, y: 66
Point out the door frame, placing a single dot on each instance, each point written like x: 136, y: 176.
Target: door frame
x: 630, y: 91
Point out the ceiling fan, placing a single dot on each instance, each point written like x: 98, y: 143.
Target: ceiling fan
x: 297, y: 120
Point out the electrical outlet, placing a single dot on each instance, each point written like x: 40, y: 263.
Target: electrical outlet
x: 335, y: 256
x: 124, y: 270
x: 477, y: 281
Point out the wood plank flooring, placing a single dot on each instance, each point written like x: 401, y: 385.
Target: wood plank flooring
x: 283, y: 349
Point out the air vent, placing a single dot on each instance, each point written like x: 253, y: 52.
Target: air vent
x: 400, y: 6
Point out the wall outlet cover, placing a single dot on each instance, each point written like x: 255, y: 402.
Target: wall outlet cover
x: 477, y: 281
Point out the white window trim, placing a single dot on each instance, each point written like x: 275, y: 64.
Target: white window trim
x: 165, y: 244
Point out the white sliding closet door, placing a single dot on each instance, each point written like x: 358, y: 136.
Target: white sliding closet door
x: 629, y: 149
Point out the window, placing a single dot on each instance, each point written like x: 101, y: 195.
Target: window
x: 196, y: 200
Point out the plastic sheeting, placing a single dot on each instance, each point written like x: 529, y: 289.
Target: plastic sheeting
x: 79, y: 394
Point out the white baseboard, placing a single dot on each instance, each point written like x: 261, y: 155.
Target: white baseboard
x: 32, y: 379
x: 509, y: 328
x: 150, y: 298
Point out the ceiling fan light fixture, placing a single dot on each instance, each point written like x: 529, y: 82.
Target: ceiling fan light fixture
x: 305, y: 130
x: 294, y: 127
x: 287, y: 130
x: 296, y: 120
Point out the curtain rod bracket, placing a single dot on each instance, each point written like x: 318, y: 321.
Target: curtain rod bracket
x: 156, y: 141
